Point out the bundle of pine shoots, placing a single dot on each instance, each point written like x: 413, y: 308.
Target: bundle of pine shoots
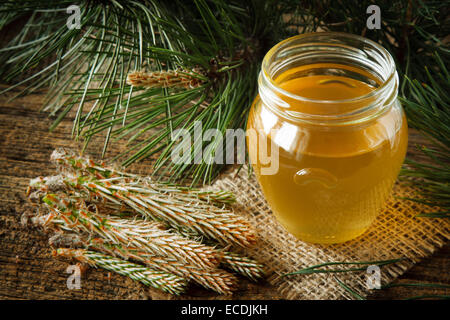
x: 159, y: 234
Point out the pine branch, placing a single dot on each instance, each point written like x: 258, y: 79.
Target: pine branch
x: 160, y: 280
x: 178, y: 211
x: 68, y: 161
x: 85, y: 224
x: 235, y: 261
x: 214, y: 279
x: 149, y: 237
x: 244, y: 265
x: 178, y: 207
x: 428, y: 110
x: 89, y: 67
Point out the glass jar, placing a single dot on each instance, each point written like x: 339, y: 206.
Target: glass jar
x: 328, y: 106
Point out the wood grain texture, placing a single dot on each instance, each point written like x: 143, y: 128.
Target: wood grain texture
x: 27, y: 269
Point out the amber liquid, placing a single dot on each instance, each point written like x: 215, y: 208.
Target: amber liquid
x: 331, y: 182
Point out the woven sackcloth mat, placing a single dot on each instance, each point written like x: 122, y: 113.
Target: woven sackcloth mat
x: 395, y: 233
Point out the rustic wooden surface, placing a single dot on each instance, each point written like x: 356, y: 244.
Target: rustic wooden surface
x: 27, y: 269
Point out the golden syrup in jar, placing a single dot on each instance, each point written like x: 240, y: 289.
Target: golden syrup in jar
x: 332, y: 181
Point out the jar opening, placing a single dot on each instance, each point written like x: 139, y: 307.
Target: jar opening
x: 355, y: 77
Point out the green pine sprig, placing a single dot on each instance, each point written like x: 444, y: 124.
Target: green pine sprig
x: 88, y: 69
x: 319, y: 268
x: 428, y: 110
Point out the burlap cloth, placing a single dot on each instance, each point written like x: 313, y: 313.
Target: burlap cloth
x: 395, y: 233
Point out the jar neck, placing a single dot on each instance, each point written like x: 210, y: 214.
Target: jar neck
x: 335, y: 54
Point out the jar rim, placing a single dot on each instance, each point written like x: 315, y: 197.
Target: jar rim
x: 331, y: 35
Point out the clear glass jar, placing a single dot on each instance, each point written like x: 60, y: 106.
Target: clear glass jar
x: 328, y: 103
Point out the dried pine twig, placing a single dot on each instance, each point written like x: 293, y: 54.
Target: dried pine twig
x: 176, y: 206
x: 84, y: 165
x: 150, y: 237
x: 164, y: 79
x: 241, y: 264
x: 244, y: 265
x: 157, y: 279
x: 215, y: 279
x: 78, y: 198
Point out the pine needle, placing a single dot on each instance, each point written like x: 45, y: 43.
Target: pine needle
x: 319, y: 267
x: 428, y: 110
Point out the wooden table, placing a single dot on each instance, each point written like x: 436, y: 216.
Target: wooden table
x: 27, y: 269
